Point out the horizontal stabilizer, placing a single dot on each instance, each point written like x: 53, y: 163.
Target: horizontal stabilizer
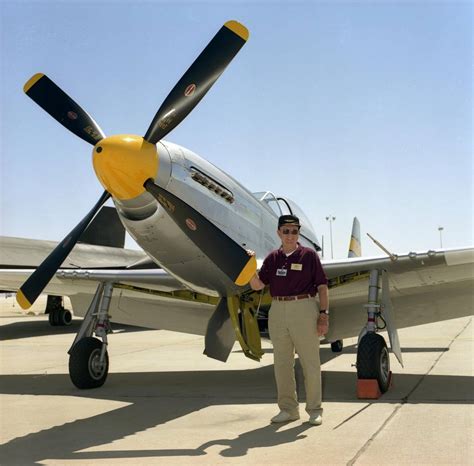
x: 106, y: 229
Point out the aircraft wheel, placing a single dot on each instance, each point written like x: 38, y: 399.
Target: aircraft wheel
x: 85, y: 368
x: 52, y: 316
x: 373, y: 361
x: 55, y: 317
x: 64, y: 317
x: 61, y: 317
x: 336, y: 346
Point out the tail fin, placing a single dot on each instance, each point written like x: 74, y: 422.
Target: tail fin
x: 355, y: 249
x: 106, y: 229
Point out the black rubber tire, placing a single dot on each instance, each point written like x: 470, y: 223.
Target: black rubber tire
x: 83, y: 368
x: 65, y: 317
x: 373, y: 361
x: 56, y: 317
x: 51, y: 317
x: 336, y: 346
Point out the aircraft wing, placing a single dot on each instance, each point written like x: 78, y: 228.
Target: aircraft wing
x: 424, y: 287
x: 400, y: 263
x: 83, y: 269
x: 29, y: 253
x: 144, y: 296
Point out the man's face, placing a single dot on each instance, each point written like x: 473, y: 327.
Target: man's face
x: 289, y: 235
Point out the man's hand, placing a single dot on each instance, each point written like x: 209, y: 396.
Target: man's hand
x: 322, y: 325
x: 255, y: 282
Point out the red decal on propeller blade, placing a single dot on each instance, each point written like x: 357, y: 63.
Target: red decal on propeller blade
x: 189, y: 91
x: 190, y: 224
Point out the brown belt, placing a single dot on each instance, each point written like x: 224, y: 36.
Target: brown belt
x: 293, y: 298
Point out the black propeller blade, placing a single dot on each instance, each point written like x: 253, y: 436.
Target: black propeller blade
x: 36, y: 283
x: 62, y: 108
x: 198, y: 79
x: 220, y: 334
x: 229, y: 256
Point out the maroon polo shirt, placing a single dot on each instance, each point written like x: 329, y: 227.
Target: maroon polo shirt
x: 299, y: 273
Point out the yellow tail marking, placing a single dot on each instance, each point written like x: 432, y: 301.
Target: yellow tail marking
x: 32, y: 81
x: 354, y: 246
x: 22, y: 301
x: 238, y: 29
x: 247, y: 272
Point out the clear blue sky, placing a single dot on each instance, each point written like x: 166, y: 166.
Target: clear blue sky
x: 357, y: 108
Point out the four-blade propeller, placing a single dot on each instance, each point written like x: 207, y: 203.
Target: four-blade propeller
x: 230, y: 257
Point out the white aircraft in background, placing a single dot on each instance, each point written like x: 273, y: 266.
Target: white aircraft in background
x: 194, y: 223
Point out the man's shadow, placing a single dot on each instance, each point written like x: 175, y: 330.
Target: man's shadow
x: 268, y: 436
x: 263, y: 437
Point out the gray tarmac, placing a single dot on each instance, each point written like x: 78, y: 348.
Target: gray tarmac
x: 166, y: 403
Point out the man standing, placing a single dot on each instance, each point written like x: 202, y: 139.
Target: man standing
x: 295, y: 276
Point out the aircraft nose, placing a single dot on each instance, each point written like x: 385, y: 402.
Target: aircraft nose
x: 123, y: 163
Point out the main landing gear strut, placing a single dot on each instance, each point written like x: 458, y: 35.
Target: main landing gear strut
x: 88, y: 357
x: 373, y: 361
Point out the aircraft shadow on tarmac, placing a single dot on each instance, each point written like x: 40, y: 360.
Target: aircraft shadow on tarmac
x: 41, y: 327
x: 156, y: 398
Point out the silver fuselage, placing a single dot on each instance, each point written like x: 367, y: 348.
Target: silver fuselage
x: 249, y: 221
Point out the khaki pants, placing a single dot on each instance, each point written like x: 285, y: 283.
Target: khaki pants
x: 292, y: 324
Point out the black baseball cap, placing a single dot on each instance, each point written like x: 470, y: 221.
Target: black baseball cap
x: 288, y: 220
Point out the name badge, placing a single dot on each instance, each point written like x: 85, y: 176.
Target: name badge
x: 296, y: 266
x: 281, y: 272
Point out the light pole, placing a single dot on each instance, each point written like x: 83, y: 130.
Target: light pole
x: 330, y: 219
x: 440, y: 229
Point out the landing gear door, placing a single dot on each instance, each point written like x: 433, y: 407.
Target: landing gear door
x: 387, y: 313
x: 246, y: 326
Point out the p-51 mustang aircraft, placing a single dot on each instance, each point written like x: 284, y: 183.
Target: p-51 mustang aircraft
x: 194, y: 223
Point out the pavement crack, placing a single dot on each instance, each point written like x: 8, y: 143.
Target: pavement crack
x: 441, y: 354
x: 352, y: 416
x: 373, y: 437
x: 404, y: 400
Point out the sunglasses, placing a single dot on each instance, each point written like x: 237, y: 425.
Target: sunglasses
x: 287, y: 231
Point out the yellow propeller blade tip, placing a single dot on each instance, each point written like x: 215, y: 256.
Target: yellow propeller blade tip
x: 22, y: 301
x: 238, y: 29
x: 32, y: 81
x: 247, y: 272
